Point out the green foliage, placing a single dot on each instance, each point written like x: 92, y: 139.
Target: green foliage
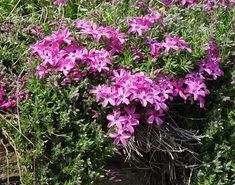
x: 218, y: 148
x: 58, y: 140
x: 68, y: 146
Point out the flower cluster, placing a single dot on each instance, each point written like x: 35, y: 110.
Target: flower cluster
x: 60, y: 2
x: 179, y: 2
x: 171, y: 43
x: 6, y: 103
x: 133, y: 97
x: 210, y: 4
x: 138, y: 87
x: 131, y: 91
x: 210, y: 65
x: 112, y: 37
x: 11, y: 91
x: 59, y: 53
x: 137, y: 91
x: 140, y: 25
x: 37, y: 31
x: 192, y: 87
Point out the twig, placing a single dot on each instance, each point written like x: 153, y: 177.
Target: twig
x: 17, y: 129
x: 12, y: 143
x: 7, y: 155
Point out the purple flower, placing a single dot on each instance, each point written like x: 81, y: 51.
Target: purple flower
x: 121, y: 136
x: 129, y: 124
x: 60, y: 36
x: 98, y: 60
x: 179, y: 2
x: 108, y: 97
x: 2, y: 94
x: 42, y: 71
x: 60, y: 2
x: 138, y: 55
x: 140, y: 25
x: 37, y: 31
x: 166, y: 2
x: 210, y: 65
x: 131, y: 112
x: 145, y: 98
x: 115, y: 119
x: 99, y: 91
x: 187, y: 2
x: 75, y: 53
x: 196, y: 87
x: 8, y: 104
x: 155, y: 49
x: 179, y: 88
x: 59, y: 53
x: 122, y: 96
x: 73, y: 76
x: 65, y: 66
x: 83, y: 24
x: 113, y: 38
x: 175, y: 43
x: 155, y: 116
x: 212, y: 4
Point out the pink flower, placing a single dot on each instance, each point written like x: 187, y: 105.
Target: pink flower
x: 73, y: 76
x: 122, y: 96
x: 98, y: 91
x: 108, y: 97
x: 98, y: 60
x: 159, y: 103
x: 121, y: 136
x: 196, y: 87
x: 129, y: 124
x: 83, y: 24
x: 138, y: 55
x: 212, y: 4
x: 115, y: 119
x: 140, y: 25
x: 175, y: 43
x: 60, y: 2
x: 37, y: 31
x: 42, y: 71
x: 2, y: 94
x: 65, y: 66
x: 75, y: 54
x: 210, y: 65
x: 155, y: 116
x: 179, y: 88
x: 131, y: 112
x: 155, y: 49
x: 113, y: 38
x: 170, y: 43
x: 60, y: 36
x: 8, y: 104
x: 145, y: 98
x: 179, y: 2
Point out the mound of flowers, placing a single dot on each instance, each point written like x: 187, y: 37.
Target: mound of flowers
x: 130, y: 97
x: 106, y: 80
